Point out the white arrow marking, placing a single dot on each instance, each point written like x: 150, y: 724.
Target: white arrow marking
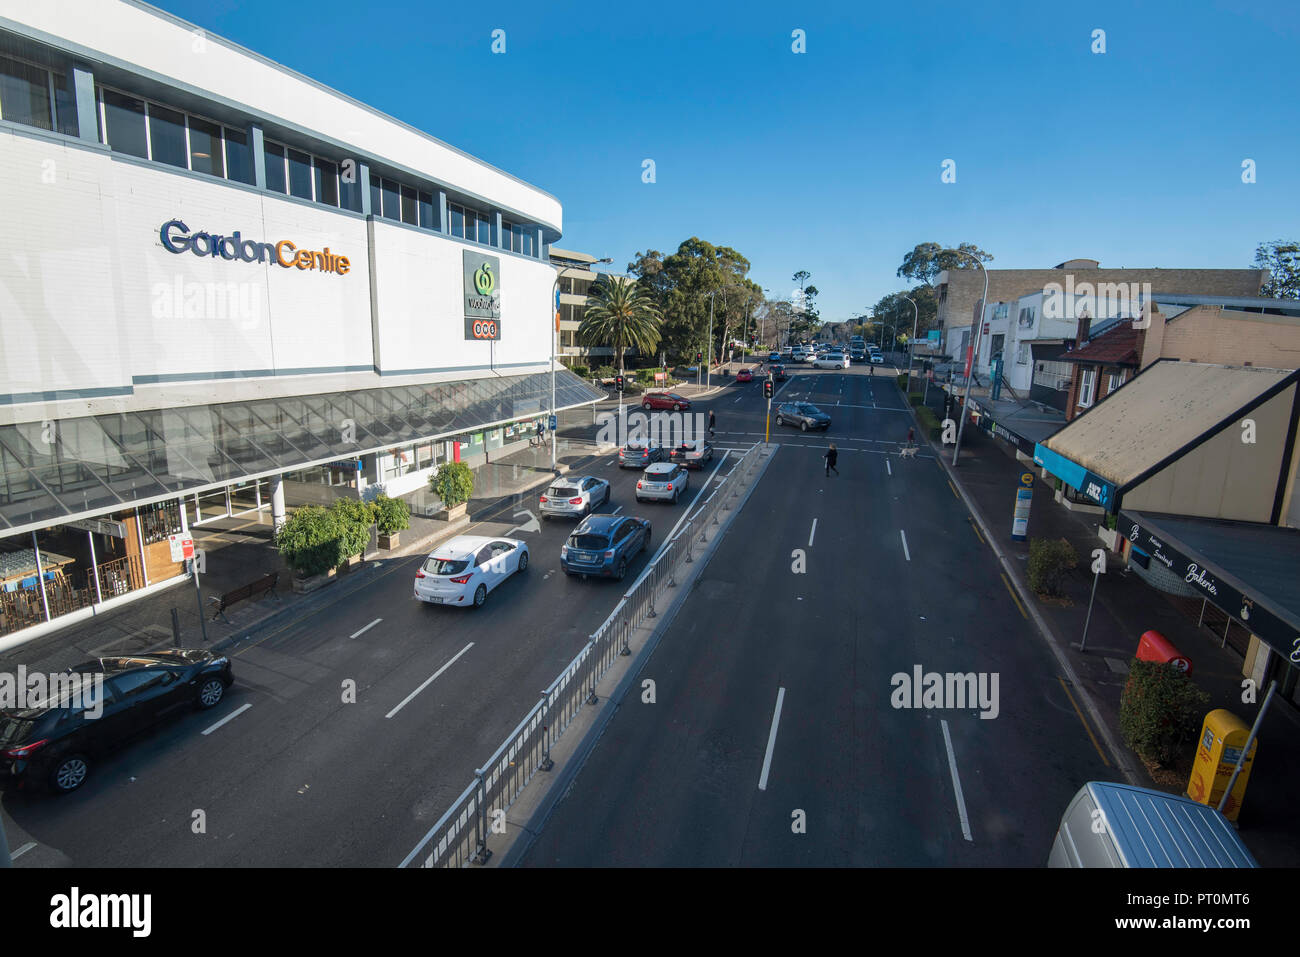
x: 532, y: 525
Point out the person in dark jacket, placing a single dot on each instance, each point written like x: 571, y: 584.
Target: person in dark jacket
x: 712, y: 421
x: 831, y: 456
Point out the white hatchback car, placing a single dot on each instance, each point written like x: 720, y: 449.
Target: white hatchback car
x: 462, y: 571
x: 831, y: 360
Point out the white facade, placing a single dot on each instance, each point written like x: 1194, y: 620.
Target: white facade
x: 98, y: 315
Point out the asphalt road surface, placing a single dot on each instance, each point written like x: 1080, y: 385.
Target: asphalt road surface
x: 297, y: 776
x: 896, y: 577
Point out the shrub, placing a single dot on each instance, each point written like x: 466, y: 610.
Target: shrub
x: 914, y: 398
x: 581, y: 372
x: 902, y: 381
x: 929, y: 422
x: 604, y: 372
x: 355, y: 518
x: 312, y: 540
x: 1049, y: 560
x: 391, y: 515
x: 1160, y: 710
x: 454, y: 483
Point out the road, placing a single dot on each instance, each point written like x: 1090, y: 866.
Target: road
x: 896, y: 577
x: 299, y: 776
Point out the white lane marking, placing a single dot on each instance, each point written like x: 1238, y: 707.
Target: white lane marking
x: 230, y: 717
x: 356, y: 634
x: 889, y: 467
x: 956, y: 782
x: 771, y: 740
x: 739, y: 397
x: 813, y: 533
x: 22, y: 850
x: 906, y: 553
x: 617, y: 510
x: 428, y: 681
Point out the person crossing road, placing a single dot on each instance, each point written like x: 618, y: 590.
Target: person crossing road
x: 831, y: 457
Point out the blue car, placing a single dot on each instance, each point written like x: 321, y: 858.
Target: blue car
x: 603, y: 545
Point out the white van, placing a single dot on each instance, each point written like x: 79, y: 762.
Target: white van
x: 1118, y: 825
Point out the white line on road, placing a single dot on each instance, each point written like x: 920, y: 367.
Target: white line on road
x: 889, y: 467
x: 357, y: 634
x: 22, y: 850
x: 234, y: 714
x: 669, y: 537
x: 813, y: 533
x: 617, y: 510
x: 906, y: 553
x: 956, y: 782
x: 771, y: 740
x: 428, y: 681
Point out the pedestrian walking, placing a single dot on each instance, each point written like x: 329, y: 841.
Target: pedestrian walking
x: 831, y: 457
x: 911, y: 437
x: 712, y: 421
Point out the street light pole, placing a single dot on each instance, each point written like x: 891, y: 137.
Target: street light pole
x: 708, y: 359
x: 974, y: 351
x: 555, y: 334
x: 911, y: 343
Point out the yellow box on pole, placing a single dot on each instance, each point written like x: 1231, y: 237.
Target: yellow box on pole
x: 1223, y: 735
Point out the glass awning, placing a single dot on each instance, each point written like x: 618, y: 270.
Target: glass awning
x: 52, y: 472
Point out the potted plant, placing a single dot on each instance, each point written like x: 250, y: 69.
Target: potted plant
x: 311, y: 542
x: 355, y: 518
x: 392, y: 516
x: 454, y: 483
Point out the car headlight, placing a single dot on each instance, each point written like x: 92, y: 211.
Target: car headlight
x: 564, y: 551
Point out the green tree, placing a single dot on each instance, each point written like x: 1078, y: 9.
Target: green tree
x: 926, y: 260
x: 1282, y: 260
x: 620, y: 313
x: 313, y: 540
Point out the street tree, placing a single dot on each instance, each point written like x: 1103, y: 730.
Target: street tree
x: 1282, y: 259
x: 620, y: 313
x: 926, y: 260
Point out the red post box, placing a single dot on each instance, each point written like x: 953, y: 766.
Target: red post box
x: 1154, y: 646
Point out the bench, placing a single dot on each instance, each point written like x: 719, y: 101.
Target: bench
x: 264, y: 585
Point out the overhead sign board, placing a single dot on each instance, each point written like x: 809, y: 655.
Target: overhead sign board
x: 100, y: 526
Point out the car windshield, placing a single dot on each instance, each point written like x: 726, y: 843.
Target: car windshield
x: 562, y: 491
x: 591, y: 542
x: 446, y: 566
x: 810, y: 410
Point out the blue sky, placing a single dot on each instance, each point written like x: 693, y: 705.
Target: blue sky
x: 830, y: 160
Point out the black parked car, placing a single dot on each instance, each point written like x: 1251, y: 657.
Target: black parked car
x: 58, y: 740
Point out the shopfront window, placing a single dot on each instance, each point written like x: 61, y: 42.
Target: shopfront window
x: 160, y: 520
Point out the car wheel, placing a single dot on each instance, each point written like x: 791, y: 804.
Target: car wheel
x: 677, y: 407
x: 69, y: 773
x: 523, y: 562
x: 210, y: 692
x: 646, y: 406
x: 803, y: 426
x: 780, y: 421
x: 480, y: 596
x: 621, y: 573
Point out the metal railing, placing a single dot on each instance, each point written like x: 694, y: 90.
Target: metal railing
x: 460, y: 836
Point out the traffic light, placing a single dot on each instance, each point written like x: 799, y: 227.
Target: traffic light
x: 767, y: 388
x: 618, y: 383
x: 699, y: 357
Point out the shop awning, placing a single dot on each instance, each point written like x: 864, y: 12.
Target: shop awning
x: 1248, y: 570
x: 74, y: 468
x: 1166, y: 410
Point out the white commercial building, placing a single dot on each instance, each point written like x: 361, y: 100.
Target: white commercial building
x: 215, y: 272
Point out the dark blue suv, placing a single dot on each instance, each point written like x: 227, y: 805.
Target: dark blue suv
x: 603, y: 545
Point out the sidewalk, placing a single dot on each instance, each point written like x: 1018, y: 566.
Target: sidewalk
x: 1125, y: 606
x: 238, y: 551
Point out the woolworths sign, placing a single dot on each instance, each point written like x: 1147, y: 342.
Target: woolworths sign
x: 482, y: 286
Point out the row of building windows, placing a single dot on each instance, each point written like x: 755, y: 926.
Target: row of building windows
x: 37, y: 96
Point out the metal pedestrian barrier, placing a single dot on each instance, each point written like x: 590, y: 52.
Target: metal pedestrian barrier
x: 460, y: 837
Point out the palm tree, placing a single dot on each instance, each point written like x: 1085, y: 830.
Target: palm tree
x: 620, y: 313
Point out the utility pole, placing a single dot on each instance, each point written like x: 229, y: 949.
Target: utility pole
x: 708, y: 359
x: 971, y: 353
